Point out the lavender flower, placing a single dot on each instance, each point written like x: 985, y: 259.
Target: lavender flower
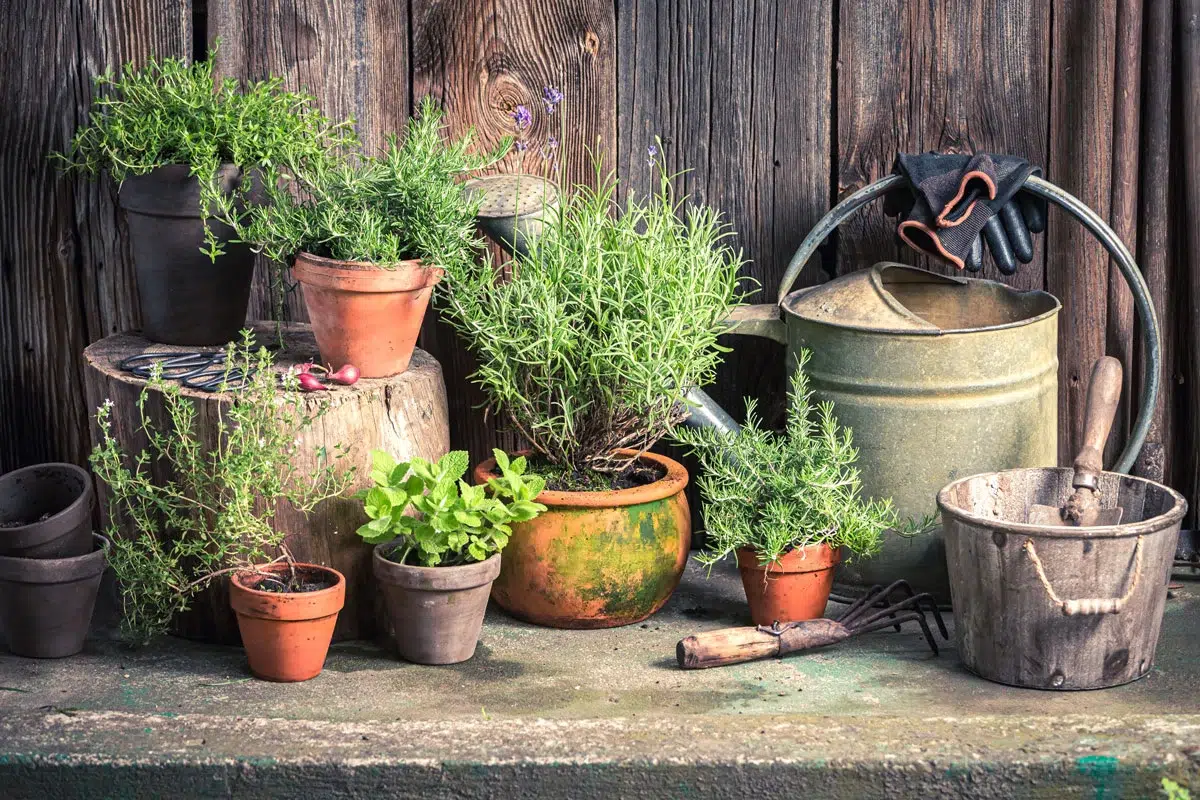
x: 551, y: 97
x: 552, y: 142
x: 651, y: 152
x: 522, y: 117
x: 521, y: 145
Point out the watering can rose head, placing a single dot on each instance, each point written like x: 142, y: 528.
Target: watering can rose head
x: 454, y: 522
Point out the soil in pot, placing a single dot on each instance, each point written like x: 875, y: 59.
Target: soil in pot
x: 363, y: 314
x: 46, y: 512
x: 597, y: 559
x: 794, y: 588
x: 46, y: 604
x: 186, y: 298
x: 287, y: 633
x: 436, y: 613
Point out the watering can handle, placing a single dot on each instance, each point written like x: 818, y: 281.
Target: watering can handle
x: 1151, y: 335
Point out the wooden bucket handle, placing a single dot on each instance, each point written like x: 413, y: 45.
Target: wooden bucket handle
x: 1093, y: 605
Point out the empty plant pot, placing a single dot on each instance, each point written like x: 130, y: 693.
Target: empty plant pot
x: 287, y: 634
x: 794, y: 588
x: 363, y: 314
x: 186, y: 297
x: 436, y: 613
x: 46, y: 604
x: 46, y: 512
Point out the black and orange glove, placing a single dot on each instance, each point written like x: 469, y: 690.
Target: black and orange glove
x: 955, y: 203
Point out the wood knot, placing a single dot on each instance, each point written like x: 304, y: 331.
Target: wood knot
x: 591, y: 43
x: 297, y: 37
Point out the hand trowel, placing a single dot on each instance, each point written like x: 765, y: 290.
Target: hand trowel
x: 1083, y: 506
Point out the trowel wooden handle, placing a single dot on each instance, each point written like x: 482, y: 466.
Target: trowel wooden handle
x: 1103, y: 395
x: 728, y: 646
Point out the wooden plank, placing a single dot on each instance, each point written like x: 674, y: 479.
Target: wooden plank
x: 1127, y: 107
x: 941, y: 75
x: 352, y: 55
x: 1185, y: 323
x: 481, y: 59
x: 65, y: 271
x: 1081, y: 111
x: 739, y: 93
x: 1154, y: 231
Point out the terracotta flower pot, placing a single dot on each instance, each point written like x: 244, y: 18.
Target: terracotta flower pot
x: 363, y: 314
x: 46, y: 604
x: 62, y: 493
x: 287, y: 634
x: 185, y: 297
x: 597, y: 559
x: 796, y: 587
x: 436, y: 613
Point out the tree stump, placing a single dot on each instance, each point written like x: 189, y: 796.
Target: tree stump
x: 405, y: 415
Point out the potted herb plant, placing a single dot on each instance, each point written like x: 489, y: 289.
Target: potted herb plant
x: 368, y: 238
x: 437, y: 565
x: 610, y: 314
x: 787, y: 504
x: 193, y: 511
x: 182, y: 146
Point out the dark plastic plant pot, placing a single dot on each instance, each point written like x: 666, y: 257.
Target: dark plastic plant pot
x: 46, y: 603
x: 60, y: 492
x: 186, y: 298
x: 436, y: 613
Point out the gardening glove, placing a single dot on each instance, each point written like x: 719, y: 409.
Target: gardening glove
x: 954, y: 203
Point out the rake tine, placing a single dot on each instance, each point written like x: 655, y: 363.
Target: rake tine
x: 859, y: 606
x: 890, y: 610
x: 909, y: 616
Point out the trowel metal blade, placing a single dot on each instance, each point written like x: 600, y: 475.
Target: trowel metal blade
x: 1052, y: 517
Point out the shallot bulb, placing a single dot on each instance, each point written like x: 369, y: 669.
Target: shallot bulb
x: 310, y: 383
x: 346, y: 376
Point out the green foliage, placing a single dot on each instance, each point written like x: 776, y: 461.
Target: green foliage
x: 606, y: 321
x: 170, y: 112
x: 455, y: 522
x: 773, y: 492
x: 196, y: 510
x: 407, y: 203
x: 1174, y: 791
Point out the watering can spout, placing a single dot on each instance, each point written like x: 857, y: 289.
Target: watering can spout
x: 513, y: 208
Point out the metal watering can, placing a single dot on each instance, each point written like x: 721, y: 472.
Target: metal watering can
x: 939, y: 377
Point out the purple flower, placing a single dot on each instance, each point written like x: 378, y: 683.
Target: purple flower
x: 651, y: 152
x: 521, y: 146
x: 552, y: 142
x: 551, y: 97
x: 522, y: 117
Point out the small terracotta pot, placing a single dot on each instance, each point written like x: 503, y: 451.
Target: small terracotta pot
x: 46, y: 604
x: 597, y: 559
x: 794, y: 588
x: 286, y: 635
x: 436, y: 613
x: 363, y: 314
x: 64, y: 491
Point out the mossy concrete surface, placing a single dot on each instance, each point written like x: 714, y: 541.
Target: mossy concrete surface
x: 543, y: 713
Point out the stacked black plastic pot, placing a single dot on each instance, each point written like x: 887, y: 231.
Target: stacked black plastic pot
x: 50, y: 560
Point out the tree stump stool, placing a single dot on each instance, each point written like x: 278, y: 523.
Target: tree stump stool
x: 405, y: 415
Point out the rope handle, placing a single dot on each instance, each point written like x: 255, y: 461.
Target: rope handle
x: 1093, y: 605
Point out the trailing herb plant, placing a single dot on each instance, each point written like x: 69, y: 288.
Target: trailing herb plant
x: 455, y: 523
x: 606, y: 321
x: 772, y: 492
x: 406, y: 203
x: 172, y: 112
x: 197, y: 511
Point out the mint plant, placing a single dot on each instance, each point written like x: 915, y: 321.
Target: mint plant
x: 455, y: 523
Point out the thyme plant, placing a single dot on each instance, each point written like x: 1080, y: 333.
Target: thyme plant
x: 197, y: 510
x: 772, y: 492
x: 172, y: 112
x: 606, y: 321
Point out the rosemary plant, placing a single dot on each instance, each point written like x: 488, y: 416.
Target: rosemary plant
x: 605, y: 322
x: 772, y: 492
x: 171, y: 112
x: 197, y: 510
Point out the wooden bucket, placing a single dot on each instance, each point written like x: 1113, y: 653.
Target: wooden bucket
x: 1057, y: 608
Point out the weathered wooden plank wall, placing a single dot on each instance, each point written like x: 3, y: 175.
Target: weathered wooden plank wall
x: 776, y: 109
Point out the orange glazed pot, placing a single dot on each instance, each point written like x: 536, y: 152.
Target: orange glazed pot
x: 794, y: 588
x: 597, y: 559
x: 287, y: 634
x: 363, y: 314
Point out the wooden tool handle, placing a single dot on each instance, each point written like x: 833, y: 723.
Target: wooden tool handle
x: 1103, y: 395
x: 735, y: 645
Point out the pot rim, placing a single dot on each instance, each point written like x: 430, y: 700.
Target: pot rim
x: 794, y: 561
x: 11, y: 536
x: 364, y: 277
x: 1162, y: 522
x: 41, y: 571
x: 434, y: 579
x: 670, y: 484
x: 235, y: 580
x: 341, y: 265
